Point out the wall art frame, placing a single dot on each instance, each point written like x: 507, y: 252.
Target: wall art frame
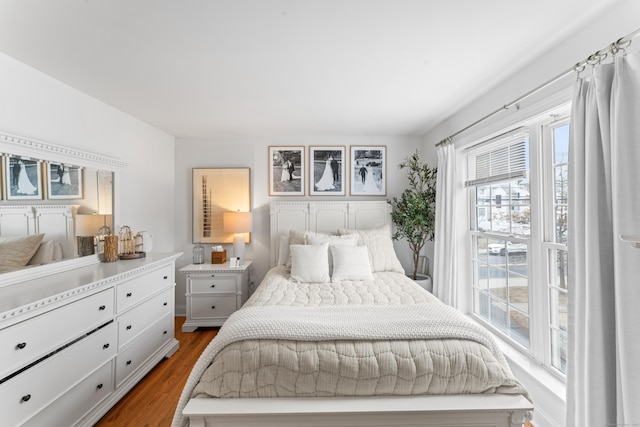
x: 64, y: 181
x: 22, y: 178
x: 215, y: 191
x: 327, y: 165
x: 368, y: 175
x: 287, y: 171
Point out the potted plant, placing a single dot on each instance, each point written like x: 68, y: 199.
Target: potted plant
x: 414, y: 212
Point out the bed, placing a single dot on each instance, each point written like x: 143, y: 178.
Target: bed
x: 336, y: 334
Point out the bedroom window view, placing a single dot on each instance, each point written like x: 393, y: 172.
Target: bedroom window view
x: 510, y: 262
x: 502, y: 206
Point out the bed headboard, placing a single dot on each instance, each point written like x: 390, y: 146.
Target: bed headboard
x: 56, y: 222
x: 324, y: 217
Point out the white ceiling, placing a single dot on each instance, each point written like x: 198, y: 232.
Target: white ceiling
x: 208, y: 68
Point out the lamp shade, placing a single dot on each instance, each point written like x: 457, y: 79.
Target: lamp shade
x: 88, y: 225
x: 236, y: 222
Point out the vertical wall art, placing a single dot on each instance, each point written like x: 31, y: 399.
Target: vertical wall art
x: 368, y: 170
x: 286, y: 171
x: 23, y: 178
x: 327, y: 171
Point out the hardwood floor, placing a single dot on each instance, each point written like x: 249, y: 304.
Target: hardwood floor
x: 153, y: 400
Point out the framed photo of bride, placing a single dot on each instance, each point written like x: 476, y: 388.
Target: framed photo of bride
x: 286, y: 171
x: 368, y: 170
x: 326, y: 171
x: 64, y: 181
x: 22, y: 178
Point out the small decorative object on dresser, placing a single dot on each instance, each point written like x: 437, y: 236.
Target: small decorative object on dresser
x: 214, y: 292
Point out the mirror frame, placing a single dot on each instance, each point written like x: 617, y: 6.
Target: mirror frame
x: 26, y: 147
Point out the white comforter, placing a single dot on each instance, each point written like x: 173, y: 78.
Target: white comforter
x: 382, y: 337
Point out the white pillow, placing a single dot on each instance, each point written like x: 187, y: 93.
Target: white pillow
x: 17, y: 251
x: 350, y: 263
x: 283, y: 249
x: 381, y: 253
x: 309, y: 263
x: 320, y: 238
x: 44, y: 254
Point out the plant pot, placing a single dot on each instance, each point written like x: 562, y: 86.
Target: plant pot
x: 424, y: 281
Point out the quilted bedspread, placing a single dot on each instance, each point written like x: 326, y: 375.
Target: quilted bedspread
x: 387, y: 336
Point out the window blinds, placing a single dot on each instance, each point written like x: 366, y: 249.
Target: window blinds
x: 505, y: 159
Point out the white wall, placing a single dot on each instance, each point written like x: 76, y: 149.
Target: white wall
x: 616, y: 23
x: 37, y: 106
x: 253, y: 153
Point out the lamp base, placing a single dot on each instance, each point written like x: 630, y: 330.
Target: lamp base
x: 238, y: 248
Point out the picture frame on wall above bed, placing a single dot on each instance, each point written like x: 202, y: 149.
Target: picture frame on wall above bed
x: 368, y: 170
x: 64, y: 181
x: 286, y: 171
x: 22, y: 178
x: 327, y: 171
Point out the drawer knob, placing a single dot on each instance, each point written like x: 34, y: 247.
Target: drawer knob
x: 21, y: 345
x: 128, y: 327
x: 25, y: 398
x: 102, y: 307
x: 128, y: 362
x: 106, y: 346
x: 165, y: 277
x: 99, y: 386
x: 164, y: 333
x: 129, y: 294
x: 165, y: 303
x: 213, y: 286
x: 213, y: 307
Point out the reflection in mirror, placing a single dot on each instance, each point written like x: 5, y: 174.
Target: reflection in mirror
x: 76, y: 200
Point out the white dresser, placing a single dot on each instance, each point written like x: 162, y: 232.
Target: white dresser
x: 73, y: 343
x: 214, y: 292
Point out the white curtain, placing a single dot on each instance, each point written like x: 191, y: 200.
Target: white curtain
x: 603, y: 377
x: 444, y: 260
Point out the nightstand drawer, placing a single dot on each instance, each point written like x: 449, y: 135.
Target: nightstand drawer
x: 213, y: 283
x: 206, y: 307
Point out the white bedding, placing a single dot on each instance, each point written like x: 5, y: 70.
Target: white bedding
x: 339, y: 339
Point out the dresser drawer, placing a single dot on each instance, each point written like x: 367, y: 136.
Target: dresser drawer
x: 26, y: 394
x: 213, y: 283
x: 138, y: 288
x: 130, y: 359
x: 206, y: 307
x: 78, y: 401
x: 134, y: 322
x: 34, y: 338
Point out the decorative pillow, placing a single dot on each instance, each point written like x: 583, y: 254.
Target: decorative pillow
x: 309, y: 263
x: 295, y: 238
x: 381, y: 253
x: 44, y: 254
x: 283, y: 249
x: 320, y: 238
x: 17, y: 251
x: 350, y: 263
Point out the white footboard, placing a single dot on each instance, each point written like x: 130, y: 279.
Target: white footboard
x: 495, y: 410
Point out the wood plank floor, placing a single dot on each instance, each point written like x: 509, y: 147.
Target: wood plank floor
x: 153, y: 400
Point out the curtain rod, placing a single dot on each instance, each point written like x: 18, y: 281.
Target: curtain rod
x: 593, y: 59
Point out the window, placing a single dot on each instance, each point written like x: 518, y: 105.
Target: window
x: 517, y: 186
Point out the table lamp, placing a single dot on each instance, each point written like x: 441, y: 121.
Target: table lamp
x: 237, y: 223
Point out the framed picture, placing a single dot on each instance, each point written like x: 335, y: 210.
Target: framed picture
x: 64, y: 181
x: 216, y: 191
x: 326, y: 171
x: 368, y: 170
x: 23, y: 178
x: 286, y: 171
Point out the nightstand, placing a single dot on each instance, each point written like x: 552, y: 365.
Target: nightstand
x: 214, y: 292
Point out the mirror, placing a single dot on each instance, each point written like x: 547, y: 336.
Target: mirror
x: 57, y: 191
